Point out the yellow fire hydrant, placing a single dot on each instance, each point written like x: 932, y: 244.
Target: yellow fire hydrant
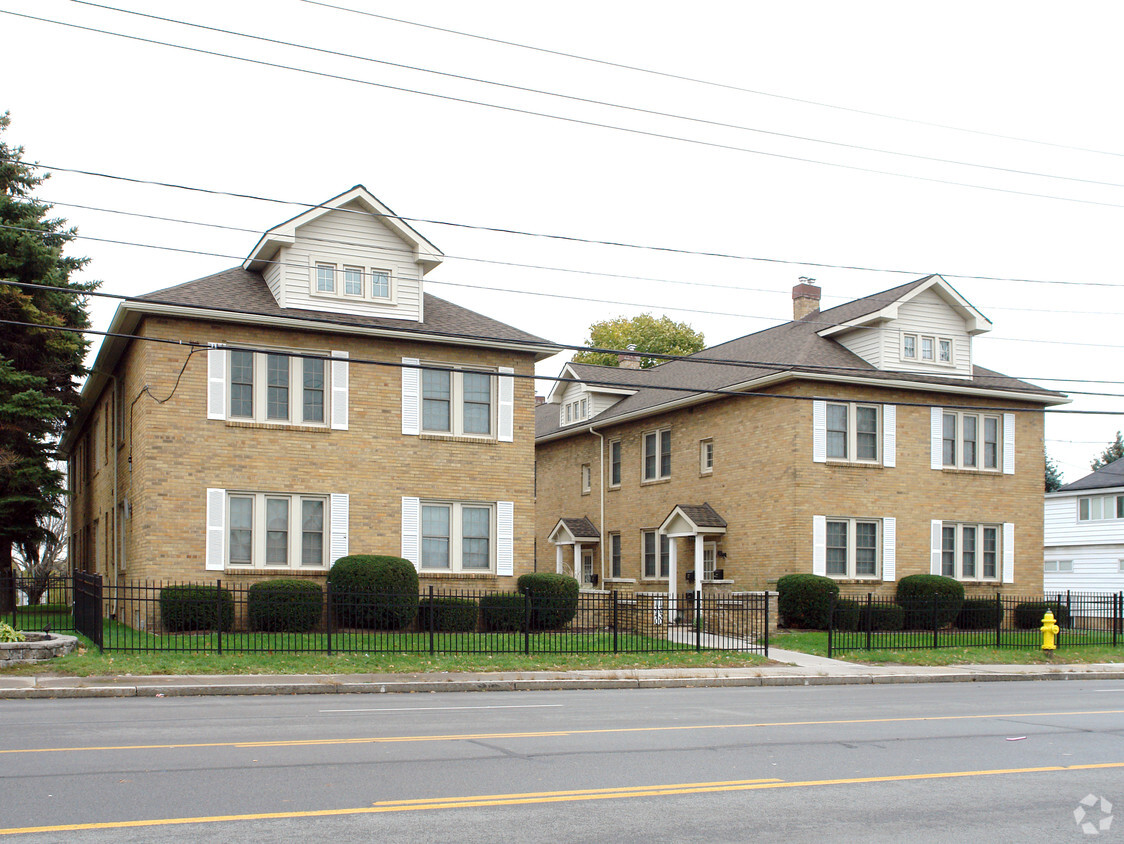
x: 1050, y: 629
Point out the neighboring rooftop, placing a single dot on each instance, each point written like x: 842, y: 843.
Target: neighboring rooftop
x: 1105, y: 477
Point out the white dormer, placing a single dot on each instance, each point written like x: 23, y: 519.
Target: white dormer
x: 349, y: 255
x: 928, y: 329
x: 579, y: 401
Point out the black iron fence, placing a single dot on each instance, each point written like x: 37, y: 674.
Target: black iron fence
x: 1001, y: 621
x: 38, y: 603
x: 222, y: 617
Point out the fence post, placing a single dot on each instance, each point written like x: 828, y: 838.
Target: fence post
x: 431, y: 614
x: 328, y: 612
x: 766, y: 624
x: 868, y: 623
x: 1116, y: 601
x: 998, y: 621
x: 526, y: 623
x: 616, y: 625
x: 934, y: 599
x: 218, y: 608
x: 830, y: 627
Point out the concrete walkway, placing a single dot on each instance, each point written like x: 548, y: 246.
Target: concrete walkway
x: 790, y: 669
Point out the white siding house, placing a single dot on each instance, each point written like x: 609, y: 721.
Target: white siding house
x: 1084, y: 534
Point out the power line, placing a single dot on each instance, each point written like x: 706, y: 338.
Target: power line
x: 727, y: 86
x: 562, y: 118
x: 591, y: 101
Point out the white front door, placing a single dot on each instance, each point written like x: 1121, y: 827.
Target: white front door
x: 710, y: 554
x: 587, y: 567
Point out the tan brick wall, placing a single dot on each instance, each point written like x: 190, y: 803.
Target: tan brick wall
x: 766, y: 486
x: 177, y: 453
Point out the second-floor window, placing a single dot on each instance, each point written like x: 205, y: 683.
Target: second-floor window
x: 852, y: 432
x: 457, y: 402
x: 706, y: 456
x: 269, y: 387
x: 614, y: 463
x: 585, y: 479
x: 970, y: 441
x: 657, y: 455
x: 1098, y: 507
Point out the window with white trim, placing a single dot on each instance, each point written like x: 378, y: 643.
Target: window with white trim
x: 706, y: 456
x: 971, y: 551
x: 656, y: 555
x: 614, y: 463
x: 269, y: 530
x: 351, y: 281
x: 459, y: 402
x: 1057, y: 566
x: 457, y: 536
x: 277, y: 387
x: 1100, y: 507
x: 927, y: 349
x: 657, y: 455
x: 909, y: 346
x: 971, y: 441
x: 853, y: 548
x: 615, y: 554
x: 853, y: 432
x: 586, y: 479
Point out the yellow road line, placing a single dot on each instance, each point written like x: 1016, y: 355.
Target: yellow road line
x: 430, y: 804
x: 553, y: 733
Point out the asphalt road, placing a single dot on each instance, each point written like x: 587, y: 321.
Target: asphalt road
x: 920, y: 762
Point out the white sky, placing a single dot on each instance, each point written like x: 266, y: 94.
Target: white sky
x: 1043, y: 71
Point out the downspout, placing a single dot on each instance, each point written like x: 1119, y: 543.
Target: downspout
x: 601, y: 495
x: 113, y: 451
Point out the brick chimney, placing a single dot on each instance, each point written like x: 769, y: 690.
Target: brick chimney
x: 540, y: 400
x: 805, y: 298
x: 630, y: 360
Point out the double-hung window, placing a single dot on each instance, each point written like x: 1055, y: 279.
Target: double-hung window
x: 326, y: 278
x: 586, y: 478
x: 970, y: 441
x: 352, y: 281
x: 657, y: 555
x: 706, y: 456
x: 457, y: 536
x: 457, y: 402
x: 853, y: 432
x: 927, y: 349
x: 264, y: 530
x: 852, y: 548
x: 970, y: 551
x: 657, y: 455
x: 276, y: 387
x: 615, y: 554
x: 614, y: 463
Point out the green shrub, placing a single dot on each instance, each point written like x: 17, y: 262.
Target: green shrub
x: 41, y: 609
x: 450, y: 615
x: 285, y: 605
x: 804, y: 600
x: 502, y: 612
x: 1028, y: 615
x: 846, y: 614
x: 554, y: 599
x: 190, y: 607
x: 9, y: 634
x: 883, y: 617
x: 374, y: 592
x: 916, y: 594
x: 980, y: 614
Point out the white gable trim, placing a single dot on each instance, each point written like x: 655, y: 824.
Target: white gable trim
x: 974, y: 321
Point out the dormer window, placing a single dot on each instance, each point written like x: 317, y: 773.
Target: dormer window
x: 945, y: 350
x: 909, y: 347
x: 351, y: 281
x: 926, y: 348
x: 326, y: 278
x: 918, y: 347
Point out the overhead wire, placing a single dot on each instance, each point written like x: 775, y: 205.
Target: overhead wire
x: 562, y: 118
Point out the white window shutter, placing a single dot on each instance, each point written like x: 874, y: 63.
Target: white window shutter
x: 819, y: 545
x: 890, y: 435
x: 1008, y: 443
x: 936, y: 434
x: 505, y: 538
x: 935, y: 546
x: 340, y: 504
x: 411, y: 530
x: 1008, y: 552
x: 216, y: 383
x: 339, y: 391
x: 819, y: 434
x: 216, y: 529
x: 411, y: 397
x: 889, y: 549
x: 507, y: 405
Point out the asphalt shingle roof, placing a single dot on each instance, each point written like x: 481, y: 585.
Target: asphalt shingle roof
x: 581, y: 528
x: 702, y: 515
x: 1105, y: 477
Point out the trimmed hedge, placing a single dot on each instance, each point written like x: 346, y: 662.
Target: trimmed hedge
x: 1028, y: 615
x: 502, y: 613
x: 846, y: 614
x: 450, y: 615
x: 979, y: 614
x: 374, y: 592
x: 804, y: 600
x: 883, y: 617
x: 192, y: 607
x: 284, y: 605
x: 554, y: 598
x: 916, y: 593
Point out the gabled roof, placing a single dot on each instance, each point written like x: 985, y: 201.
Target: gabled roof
x: 285, y: 234
x: 884, y: 306
x: 1105, y: 477
x: 787, y: 351
x: 693, y: 519
x: 569, y: 531
x: 591, y: 374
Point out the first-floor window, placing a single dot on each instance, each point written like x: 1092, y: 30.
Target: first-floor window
x: 1099, y: 507
x: 276, y: 531
x: 1057, y: 565
x: 852, y: 547
x: 970, y: 552
x: 457, y: 536
x: 615, y: 554
x: 657, y: 554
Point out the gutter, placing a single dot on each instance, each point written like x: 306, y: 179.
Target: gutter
x: 601, y: 494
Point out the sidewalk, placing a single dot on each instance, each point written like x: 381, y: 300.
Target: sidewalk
x: 794, y: 669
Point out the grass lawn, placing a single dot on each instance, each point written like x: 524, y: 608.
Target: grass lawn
x: 815, y: 642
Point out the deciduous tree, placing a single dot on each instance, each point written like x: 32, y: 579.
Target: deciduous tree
x: 645, y: 333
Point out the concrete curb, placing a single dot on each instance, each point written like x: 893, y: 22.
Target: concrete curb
x: 28, y: 688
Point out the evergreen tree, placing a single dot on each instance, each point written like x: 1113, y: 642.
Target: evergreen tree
x: 1053, y: 475
x: 645, y: 333
x: 1111, y: 454
x: 39, y: 368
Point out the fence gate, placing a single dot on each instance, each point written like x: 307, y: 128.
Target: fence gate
x: 87, y: 606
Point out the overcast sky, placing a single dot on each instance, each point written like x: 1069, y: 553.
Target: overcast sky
x: 860, y: 85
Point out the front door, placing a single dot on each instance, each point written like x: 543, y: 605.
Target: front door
x: 587, y: 567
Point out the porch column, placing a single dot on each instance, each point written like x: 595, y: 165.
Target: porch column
x: 578, y: 562
x: 699, y: 544
x: 558, y: 559
x: 672, y: 572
